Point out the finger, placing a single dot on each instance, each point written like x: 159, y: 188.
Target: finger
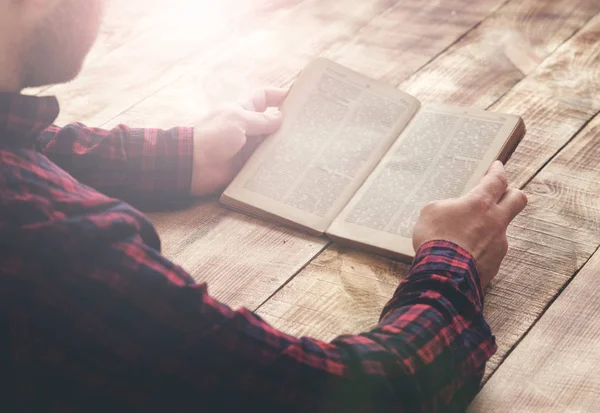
x: 266, y: 98
x: 493, y: 185
x: 258, y: 123
x: 513, y: 202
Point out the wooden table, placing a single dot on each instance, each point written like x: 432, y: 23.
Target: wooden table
x: 166, y: 62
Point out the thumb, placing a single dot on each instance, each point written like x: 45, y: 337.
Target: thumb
x: 262, y: 123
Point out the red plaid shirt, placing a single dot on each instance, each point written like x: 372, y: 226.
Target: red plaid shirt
x: 94, y: 318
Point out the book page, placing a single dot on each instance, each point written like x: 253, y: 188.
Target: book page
x: 443, y: 153
x: 337, y: 126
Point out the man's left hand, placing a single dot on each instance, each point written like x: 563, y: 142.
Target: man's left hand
x: 225, y: 139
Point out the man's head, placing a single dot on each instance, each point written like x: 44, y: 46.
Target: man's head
x: 45, y: 41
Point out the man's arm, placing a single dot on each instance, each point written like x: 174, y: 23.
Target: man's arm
x: 153, y: 167
x: 138, y: 334
x: 137, y: 165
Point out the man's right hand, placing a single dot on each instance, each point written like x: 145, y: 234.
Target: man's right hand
x: 476, y: 221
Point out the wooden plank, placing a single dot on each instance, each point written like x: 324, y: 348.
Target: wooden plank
x: 555, y: 367
x: 189, y: 33
x: 490, y: 60
x: 122, y: 22
x: 556, y: 101
x: 549, y: 241
x: 269, y: 259
x: 244, y: 260
x: 341, y: 291
x: 396, y: 44
x: 275, y: 54
x: 269, y: 54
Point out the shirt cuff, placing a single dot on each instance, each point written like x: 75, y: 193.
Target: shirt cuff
x: 448, y: 257
x: 167, y: 161
x: 183, y: 179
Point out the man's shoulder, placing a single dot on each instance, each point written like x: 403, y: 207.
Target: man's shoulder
x: 23, y: 169
x: 29, y: 176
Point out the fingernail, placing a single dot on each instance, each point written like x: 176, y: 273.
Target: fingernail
x: 276, y: 114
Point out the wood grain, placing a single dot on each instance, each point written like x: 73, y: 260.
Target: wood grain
x: 242, y: 259
x: 549, y: 242
x: 271, y: 53
x: 400, y: 41
x: 506, y: 47
x: 555, y: 367
x: 189, y: 33
x: 274, y: 54
x: 340, y: 292
x: 556, y: 101
x: 122, y: 22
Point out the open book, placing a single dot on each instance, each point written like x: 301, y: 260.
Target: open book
x: 357, y: 159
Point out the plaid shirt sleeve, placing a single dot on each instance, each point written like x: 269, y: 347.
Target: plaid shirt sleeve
x: 156, y: 341
x: 141, y: 166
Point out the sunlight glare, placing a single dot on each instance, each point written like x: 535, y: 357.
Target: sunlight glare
x: 198, y: 17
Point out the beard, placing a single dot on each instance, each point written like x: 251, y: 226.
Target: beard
x: 57, y: 46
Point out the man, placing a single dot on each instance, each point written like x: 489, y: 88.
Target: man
x: 93, y: 318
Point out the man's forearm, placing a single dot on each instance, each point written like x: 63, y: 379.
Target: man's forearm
x: 428, y: 352
x: 435, y: 322
x: 137, y: 165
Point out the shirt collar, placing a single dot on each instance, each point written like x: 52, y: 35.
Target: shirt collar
x: 23, y: 118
